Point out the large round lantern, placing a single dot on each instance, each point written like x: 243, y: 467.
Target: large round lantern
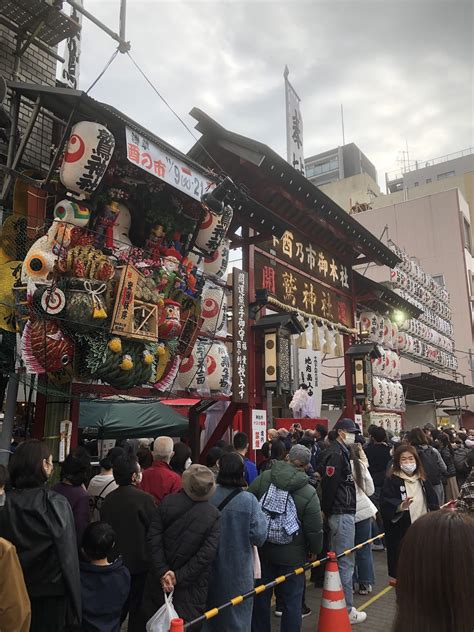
x: 214, y: 310
x: 192, y: 374
x: 216, y: 264
x: 218, y: 369
x: 87, y: 156
x: 212, y: 231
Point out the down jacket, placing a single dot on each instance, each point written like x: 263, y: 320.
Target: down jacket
x: 183, y: 537
x: 309, y: 538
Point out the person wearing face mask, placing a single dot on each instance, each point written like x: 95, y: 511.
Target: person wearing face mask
x: 406, y: 496
x: 39, y: 522
x: 129, y: 511
x: 339, y: 505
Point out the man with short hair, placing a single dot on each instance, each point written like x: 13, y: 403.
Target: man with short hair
x: 288, y: 479
x: 159, y: 480
x: 241, y: 446
x: 339, y: 505
x: 129, y: 511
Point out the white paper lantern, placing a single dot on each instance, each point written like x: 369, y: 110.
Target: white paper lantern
x: 216, y: 264
x: 219, y: 377
x: 214, y: 309
x: 87, y: 156
x: 192, y: 372
x: 212, y: 231
x: 377, y: 392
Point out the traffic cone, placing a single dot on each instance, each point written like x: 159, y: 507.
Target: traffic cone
x: 333, y: 615
x: 177, y: 625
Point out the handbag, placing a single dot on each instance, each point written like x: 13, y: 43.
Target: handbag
x: 161, y: 620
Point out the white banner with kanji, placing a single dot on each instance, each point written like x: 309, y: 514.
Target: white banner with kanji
x: 309, y: 373
x: 294, y: 127
x: 153, y: 159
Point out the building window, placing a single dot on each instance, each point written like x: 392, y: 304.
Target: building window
x: 331, y: 164
x: 467, y: 235
x: 428, y: 180
x: 439, y: 279
x: 417, y: 184
x: 448, y: 174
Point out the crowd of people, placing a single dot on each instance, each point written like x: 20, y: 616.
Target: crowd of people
x: 93, y: 551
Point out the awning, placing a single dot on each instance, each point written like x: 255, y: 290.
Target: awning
x: 123, y: 419
x: 381, y: 298
x: 418, y: 388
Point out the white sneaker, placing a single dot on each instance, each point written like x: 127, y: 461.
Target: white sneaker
x: 357, y: 617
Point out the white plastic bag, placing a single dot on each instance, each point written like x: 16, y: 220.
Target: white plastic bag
x: 161, y: 620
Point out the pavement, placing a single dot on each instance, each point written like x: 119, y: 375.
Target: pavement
x: 380, y: 608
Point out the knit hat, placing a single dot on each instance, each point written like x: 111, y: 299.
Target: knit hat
x: 300, y: 453
x: 199, y: 482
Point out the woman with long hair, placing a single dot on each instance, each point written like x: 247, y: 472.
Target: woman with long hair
x: 39, y: 522
x: 406, y: 496
x: 451, y: 489
x: 364, y: 574
x: 436, y: 574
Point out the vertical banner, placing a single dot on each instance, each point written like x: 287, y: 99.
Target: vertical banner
x: 72, y: 53
x: 309, y: 373
x: 65, y: 434
x: 259, y: 428
x: 294, y: 126
x: 240, y: 331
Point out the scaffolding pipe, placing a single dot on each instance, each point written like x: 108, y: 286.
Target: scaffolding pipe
x: 123, y: 45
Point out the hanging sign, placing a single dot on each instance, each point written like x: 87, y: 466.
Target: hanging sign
x: 313, y: 260
x: 294, y: 127
x: 309, y: 372
x: 151, y: 158
x: 300, y: 291
x: 259, y: 428
x: 240, y: 327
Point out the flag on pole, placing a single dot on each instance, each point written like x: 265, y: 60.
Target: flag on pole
x: 294, y: 126
x: 72, y: 52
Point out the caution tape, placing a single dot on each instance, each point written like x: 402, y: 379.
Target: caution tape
x: 210, y: 614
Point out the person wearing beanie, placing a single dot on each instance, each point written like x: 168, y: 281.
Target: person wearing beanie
x: 183, y: 540
x: 286, y: 484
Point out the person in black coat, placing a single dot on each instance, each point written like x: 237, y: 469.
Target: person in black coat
x: 130, y: 511
x: 183, y: 540
x: 406, y: 496
x: 39, y: 522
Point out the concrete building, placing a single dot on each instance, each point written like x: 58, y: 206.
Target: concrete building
x: 30, y: 31
x: 345, y: 174
x: 434, y: 229
x: 439, y: 174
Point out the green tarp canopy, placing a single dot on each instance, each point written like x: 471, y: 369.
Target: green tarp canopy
x: 125, y: 419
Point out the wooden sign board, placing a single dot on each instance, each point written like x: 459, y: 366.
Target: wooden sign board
x: 133, y: 318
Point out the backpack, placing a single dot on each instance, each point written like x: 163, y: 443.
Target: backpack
x: 95, y: 502
x: 280, y: 513
x: 430, y: 464
x: 460, y: 461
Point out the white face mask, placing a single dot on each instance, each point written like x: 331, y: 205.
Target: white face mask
x: 350, y: 438
x: 408, y: 468
x: 188, y: 463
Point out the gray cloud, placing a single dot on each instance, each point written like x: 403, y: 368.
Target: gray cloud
x: 403, y: 70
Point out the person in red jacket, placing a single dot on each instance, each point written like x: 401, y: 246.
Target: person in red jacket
x: 159, y: 480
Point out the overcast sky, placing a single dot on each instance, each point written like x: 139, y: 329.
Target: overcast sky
x: 402, y: 68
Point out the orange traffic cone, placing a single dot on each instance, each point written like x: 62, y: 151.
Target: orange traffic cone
x: 177, y: 625
x: 333, y: 615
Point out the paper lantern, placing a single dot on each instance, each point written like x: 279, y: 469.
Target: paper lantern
x: 214, y: 310
x: 374, y: 324
x: 387, y: 334
x: 87, y: 156
x: 216, y: 264
x: 218, y: 369
x: 192, y: 371
x: 212, y: 231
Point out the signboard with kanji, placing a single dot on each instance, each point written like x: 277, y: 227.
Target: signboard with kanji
x: 240, y: 370
x: 309, y: 373
x: 151, y: 158
x: 297, y: 290
x: 259, y: 428
x: 313, y: 260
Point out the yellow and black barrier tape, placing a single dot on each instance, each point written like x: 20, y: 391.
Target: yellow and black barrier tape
x: 210, y: 614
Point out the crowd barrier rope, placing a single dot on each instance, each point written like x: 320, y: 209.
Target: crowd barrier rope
x: 278, y: 580
x: 210, y: 614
